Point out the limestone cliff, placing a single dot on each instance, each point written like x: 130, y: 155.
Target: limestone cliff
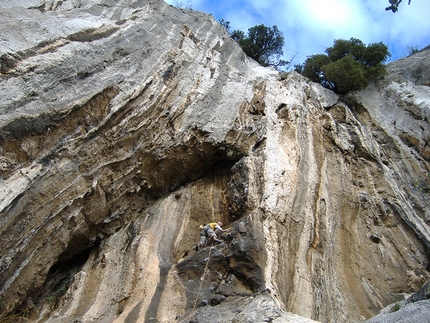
x: 126, y: 124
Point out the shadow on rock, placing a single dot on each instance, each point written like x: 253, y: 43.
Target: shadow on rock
x: 222, y: 271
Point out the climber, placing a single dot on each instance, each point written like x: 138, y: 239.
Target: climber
x: 209, y: 232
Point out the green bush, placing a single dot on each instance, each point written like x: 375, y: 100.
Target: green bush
x: 345, y: 75
x: 348, y: 66
x: 395, y: 308
x: 261, y: 43
x: 313, y: 67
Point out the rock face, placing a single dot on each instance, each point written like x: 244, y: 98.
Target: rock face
x: 126, y: 124
x: 414, y: 309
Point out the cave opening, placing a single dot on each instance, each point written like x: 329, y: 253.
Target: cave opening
x: 59, y: 278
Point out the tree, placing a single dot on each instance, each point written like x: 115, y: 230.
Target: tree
x: 225, y: 24
x: 261, y: 43
x: 299, y: 68
x: 342, y: 48
x: 349, y: 65
x: 312, y: 67
x: 237, y: 35
x: 345, y: 75
x: 394, y: 5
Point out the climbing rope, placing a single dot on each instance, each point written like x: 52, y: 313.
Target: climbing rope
x: 202, y: 278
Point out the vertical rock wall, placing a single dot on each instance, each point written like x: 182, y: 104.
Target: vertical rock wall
x: 129, y: 124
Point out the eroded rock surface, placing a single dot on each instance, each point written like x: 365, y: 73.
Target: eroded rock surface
x: 415, y: 308
x: 126, y: 124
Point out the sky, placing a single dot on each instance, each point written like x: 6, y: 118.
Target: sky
x: 310, y: 26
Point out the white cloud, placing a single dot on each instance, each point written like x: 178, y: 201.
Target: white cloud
x: 329, y: 13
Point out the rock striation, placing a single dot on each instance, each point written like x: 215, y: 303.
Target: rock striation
x: 124, y: 125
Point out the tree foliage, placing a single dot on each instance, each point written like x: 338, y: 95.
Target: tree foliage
x: 394, y: 5
x: 225, y: 24
x: 313, y: 67
x: 261, y: 43
x: 345, y: 75
x: 349, y: 65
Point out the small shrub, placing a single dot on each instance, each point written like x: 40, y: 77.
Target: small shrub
x: 283, y: 75
x: 412, y: 50
x: 51, y: 299
x: 395, y: 308
x: 180, y: 4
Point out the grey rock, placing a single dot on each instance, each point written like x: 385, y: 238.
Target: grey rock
x: 414, y: 309
x: 124, y: 125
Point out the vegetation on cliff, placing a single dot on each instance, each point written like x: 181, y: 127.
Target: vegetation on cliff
x: 347, y: 66
x: 261, y: 43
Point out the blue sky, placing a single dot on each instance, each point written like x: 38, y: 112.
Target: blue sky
x: 310, y: 26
